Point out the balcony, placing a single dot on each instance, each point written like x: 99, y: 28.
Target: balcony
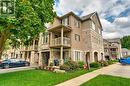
x: 57, y: 42
x: 29, y: 48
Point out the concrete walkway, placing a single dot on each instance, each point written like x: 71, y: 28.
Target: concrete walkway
x: 115, y: 69
x: 15, y: 69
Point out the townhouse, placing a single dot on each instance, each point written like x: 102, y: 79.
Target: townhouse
x: 68, y: 37
x: 112, y: 48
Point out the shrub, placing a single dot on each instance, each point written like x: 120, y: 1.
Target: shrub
x: 65, y: 67
x: 110, y: 62
x: 95, y: 65
x: 105, y: 63
x: 115, y: 60
x: 51, y: 64
x: 73, y: 65
x: 81, y: 64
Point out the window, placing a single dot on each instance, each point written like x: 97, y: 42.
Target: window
x: 77, y: 56
x: 45, y: 38
x: 7, y: 7
x: 77, y: 37
x: 77, y: 23
x: 65, y: 21
x: 99, y: 31
x: 93, y: 26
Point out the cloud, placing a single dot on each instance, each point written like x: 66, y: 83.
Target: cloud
x: 112, y: 14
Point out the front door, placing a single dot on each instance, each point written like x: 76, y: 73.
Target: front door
x: 45, y: 56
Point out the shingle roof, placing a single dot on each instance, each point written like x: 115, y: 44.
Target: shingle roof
x: 87, y: 16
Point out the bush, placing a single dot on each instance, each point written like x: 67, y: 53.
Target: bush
x: 73, y: 65
x: 95, y: 65
x: 65, y: 67
x: 81, y: 64
x: 115, y: 61
x: 105, y: 63
x: 110, y: 62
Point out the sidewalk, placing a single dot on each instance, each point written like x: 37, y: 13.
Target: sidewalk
x: 15, y: 69
x: 86, y: 77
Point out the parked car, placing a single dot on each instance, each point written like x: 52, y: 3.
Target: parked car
x: 12, y: 63
x: 124, y: 61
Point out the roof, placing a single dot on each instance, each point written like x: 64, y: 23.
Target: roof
x: 125, y: 50
x: 115, y: 40
x: 84, y: 18
x: 80, y: 18
x: 87, y: 16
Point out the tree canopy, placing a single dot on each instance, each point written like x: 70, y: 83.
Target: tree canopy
x: 27, y: 21
x: 125, y: 41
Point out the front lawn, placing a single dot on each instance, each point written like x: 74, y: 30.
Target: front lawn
x: 106, y: 80
x: 37, y: 78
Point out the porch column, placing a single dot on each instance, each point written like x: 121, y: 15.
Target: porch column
x: 32, y: 58
x: 33, y: 46
x: 40, y: 63
x: 62, y: 36
x: 23, y: 55
x: 50, y: 38
x: 61, y: 49
x: 61, y: 56
x: 51, y: 60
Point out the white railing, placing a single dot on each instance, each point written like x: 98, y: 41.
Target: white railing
x: 57, y: 41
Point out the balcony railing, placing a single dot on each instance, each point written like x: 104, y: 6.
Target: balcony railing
x: 35, y: 47
x: 57, y: 41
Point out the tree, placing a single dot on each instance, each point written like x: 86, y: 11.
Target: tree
x: 125, y: 41
x: 26, y: 23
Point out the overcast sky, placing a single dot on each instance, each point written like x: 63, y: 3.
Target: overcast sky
x: 114, y: 14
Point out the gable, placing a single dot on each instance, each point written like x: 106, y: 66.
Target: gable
x: 96, y: 20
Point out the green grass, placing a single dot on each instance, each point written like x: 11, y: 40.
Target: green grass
x: 106, y: 80
x: 37, y: 78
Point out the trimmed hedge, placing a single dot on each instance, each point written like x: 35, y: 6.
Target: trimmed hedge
x: 95, y: 65
x: 69, y: 65
x: 81, y: 64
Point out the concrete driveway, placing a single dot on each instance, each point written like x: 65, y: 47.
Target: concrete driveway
x: 119, y: 70
x: 15, y: 69
x: 114, y: 70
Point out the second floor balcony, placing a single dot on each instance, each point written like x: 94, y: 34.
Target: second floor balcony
x: 60, y: 36
x: 58, y: 42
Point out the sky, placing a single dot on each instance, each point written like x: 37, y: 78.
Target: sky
x: 114, y: 14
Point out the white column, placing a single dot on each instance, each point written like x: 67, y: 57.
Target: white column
x: 32, y: 58
x: 61, y: 36
x: 51, y: 35
x: 61, y: 56
x: 40, y: 63
x: 51, y: 59
x: 61, y: 49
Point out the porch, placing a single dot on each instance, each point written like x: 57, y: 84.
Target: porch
x: 55, y: 54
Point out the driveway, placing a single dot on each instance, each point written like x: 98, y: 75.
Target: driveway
x: 15, y: 69
x: 119, y: 70
x: 114, y: 70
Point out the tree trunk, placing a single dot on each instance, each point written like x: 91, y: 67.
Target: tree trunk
x: 2, y: 43
x: 3, y: 37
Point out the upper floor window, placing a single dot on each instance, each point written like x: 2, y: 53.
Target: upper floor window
x: 93, y: 26
x: 45, y: 38
x: 65, y: 21
x: 77, y: 37
x: 7, y: 6
x: 77, y: 23
x: 99, y: 31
